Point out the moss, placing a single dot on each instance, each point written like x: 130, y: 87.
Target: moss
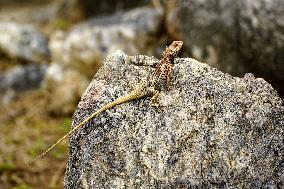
x: 60, y: 152
x: 23, y: 186
x: 38, y: 146
x: 7, y: 167
x: 66, y: 125
x: 62, y: 24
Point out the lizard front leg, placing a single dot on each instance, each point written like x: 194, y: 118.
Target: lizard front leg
x: 153, y: 100
x: 142, y: 60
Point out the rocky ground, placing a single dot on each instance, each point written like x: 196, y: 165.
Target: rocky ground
x: 48, y: 56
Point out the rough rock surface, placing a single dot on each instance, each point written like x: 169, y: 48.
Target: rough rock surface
x: 211, y: 131
x: 87, y: 44
x: 19, y: 79
x: 23, y: 42
x: 235, y: 36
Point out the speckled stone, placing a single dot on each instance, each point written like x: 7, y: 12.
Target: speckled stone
x: 211, y: 130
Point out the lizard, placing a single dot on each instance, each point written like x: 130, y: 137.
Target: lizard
x: 162, y: 77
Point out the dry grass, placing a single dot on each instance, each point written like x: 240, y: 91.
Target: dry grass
x: 26, y: 130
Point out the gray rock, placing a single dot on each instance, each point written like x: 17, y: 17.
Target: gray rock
x: 19, y: 79
x: 23, y: 42
x: 234, y: 36
x: 63, y: 89
x: 85, y: 47
x: 212, y: 130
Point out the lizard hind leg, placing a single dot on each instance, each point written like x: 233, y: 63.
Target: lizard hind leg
x: 153, y: 100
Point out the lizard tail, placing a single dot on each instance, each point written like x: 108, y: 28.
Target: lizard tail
x: 120, y: 100
x: 70, y: 132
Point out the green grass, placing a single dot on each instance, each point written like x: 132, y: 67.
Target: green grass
x: 5, y: 167
x: 66, y: 125
x: 37, y: 147
x: 22, y: 186
x: 25, y: 136
x: 62, y: 24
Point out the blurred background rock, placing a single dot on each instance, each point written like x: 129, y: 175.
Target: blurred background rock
x: 50, y: 50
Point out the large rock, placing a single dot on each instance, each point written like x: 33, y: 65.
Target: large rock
x: 87, y: 44
x: 235, y: 36
x: 23, y: 42
x: 212, y: 130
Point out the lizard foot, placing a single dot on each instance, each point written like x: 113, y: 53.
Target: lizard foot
x: 153, y: 100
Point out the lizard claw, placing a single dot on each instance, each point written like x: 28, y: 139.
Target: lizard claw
x: 153, y: 100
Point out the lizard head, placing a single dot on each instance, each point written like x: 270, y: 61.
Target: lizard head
x: 175, y: 47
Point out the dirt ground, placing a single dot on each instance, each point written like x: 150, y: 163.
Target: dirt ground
x: 26, y: 131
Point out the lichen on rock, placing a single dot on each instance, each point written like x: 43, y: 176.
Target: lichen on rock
x: 211, y: 130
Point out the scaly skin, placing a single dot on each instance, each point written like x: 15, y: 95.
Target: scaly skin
x: 164, y: 70
x: 163, y: 73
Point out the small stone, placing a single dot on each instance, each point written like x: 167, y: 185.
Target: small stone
x: 23, y: 42
x: 20, y: 79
